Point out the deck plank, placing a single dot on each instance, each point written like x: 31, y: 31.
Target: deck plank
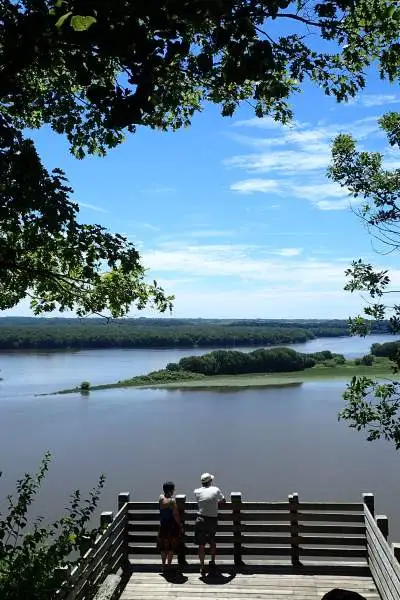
x: 229, y: 585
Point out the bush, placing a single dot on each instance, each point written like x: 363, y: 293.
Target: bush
x: 85, y: 386
x: 367, y: 360
x: 29, y: 560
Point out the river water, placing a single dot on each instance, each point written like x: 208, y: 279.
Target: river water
x: 265, y: 443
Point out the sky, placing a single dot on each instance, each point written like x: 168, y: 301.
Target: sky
x: 235, y: 216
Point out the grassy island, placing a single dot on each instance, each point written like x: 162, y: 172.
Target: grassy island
x: 260, y: 368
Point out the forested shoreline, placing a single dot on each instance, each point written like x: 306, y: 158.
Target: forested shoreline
x: 24, y: 333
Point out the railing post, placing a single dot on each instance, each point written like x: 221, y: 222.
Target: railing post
x: 61, y: 574
x: 123, y: 498
x: 236, y: 499
x: 396, y: 551
x: 106, y: 518
x: 383, y: 524
x: 294, y: 528
x: 369, y: 501
x: 180, y: 502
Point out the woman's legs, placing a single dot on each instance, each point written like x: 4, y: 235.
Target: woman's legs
x: 163, y: 558
x: 170, y: 556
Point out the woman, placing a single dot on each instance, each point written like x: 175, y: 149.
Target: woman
x: 170, y: 525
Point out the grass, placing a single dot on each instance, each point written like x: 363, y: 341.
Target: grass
x: 381, y: 369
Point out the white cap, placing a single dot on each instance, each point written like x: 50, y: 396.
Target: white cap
x: 206, y: 478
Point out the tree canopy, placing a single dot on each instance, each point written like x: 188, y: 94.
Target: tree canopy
x: 372, y: 405
x: 93, y: 70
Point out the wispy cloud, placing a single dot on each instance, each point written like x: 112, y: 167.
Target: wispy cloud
x: 287, y: 252
x: 92, y: 207
x: 250, y: 186
x: 369, y: 100
x: 280, y: 266
x: 325, y: 196
x: 263, y: 123
x: 295, y: 161
x: 148, y: 226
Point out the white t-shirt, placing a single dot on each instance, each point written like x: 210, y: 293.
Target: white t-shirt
x: 207, y: 498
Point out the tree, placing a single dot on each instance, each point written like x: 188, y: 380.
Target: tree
x: 31, y: 552
x: 372, y: 405
x: 93, y: 70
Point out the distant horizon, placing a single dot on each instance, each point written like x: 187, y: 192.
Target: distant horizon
x: 165, y: 318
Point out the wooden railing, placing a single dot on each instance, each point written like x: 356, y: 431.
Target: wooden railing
x: 108, y: 555
x: 293, y: 529
x: 294, y: 533
x: 383, y: 559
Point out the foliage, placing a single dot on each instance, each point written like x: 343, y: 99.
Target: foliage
x: 389, y: 349
x: 47, y: 255
x: 31, y: 552
x: 364, y: 175
x: 230, y: 362
x: 29, y: 333
x: 370, y: 404
x: 374, y: 407
x: 34, y: 333
x: 162, y: 376
x: 92, y: 70
x: 85, y: 386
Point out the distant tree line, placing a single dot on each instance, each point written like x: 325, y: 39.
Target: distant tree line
x: 232, y: 362
x: 52, y: 334
x: 388, y: 349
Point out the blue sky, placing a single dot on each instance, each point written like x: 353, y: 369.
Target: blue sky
x: 236, y: 216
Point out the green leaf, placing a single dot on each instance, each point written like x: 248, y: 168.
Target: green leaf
x: 80, y: 23
x: 62, y: 19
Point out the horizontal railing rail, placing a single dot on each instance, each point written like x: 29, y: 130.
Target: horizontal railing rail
x: 383, y: 559
x: 291, y: 529
x: 336, y: 534
x: 108, y: 554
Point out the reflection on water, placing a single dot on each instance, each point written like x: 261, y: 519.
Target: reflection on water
x: 265, y: 443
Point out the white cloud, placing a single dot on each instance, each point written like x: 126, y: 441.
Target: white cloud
x: 342, y: 204
x: 288, y: 161
x: 299, y: 169
x: 287, y: 251
x: 369, y: 100
x: 263, y: 123
x: 250, y: 262
x: 325, y: 196
x: 92, y: 207
x: 250, y: 186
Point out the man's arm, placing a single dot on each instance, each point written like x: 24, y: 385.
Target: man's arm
x: 221, y: 499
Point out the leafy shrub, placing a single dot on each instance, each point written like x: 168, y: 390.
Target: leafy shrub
x: 85, y: 386
x: 163, y: 376
x: 31, y: 552
x: 367, y: 360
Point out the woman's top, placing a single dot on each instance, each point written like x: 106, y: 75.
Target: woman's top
x: 166, y: 509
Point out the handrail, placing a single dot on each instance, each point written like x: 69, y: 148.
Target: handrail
x: 383, y: 559
x: 293, y: 529
x: 338, y: 535
x: 107, y: 555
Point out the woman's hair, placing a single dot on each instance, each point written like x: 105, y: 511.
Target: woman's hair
x: 168, y: 488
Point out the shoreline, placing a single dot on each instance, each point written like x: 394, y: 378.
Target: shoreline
x: 381, y: 369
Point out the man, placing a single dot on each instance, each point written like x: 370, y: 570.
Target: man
x: 208, y: 497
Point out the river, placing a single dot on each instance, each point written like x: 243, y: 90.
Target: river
x: 265, y: 443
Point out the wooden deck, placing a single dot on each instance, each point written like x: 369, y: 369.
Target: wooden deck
x: 266, y: 551
x: 228, y: 585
